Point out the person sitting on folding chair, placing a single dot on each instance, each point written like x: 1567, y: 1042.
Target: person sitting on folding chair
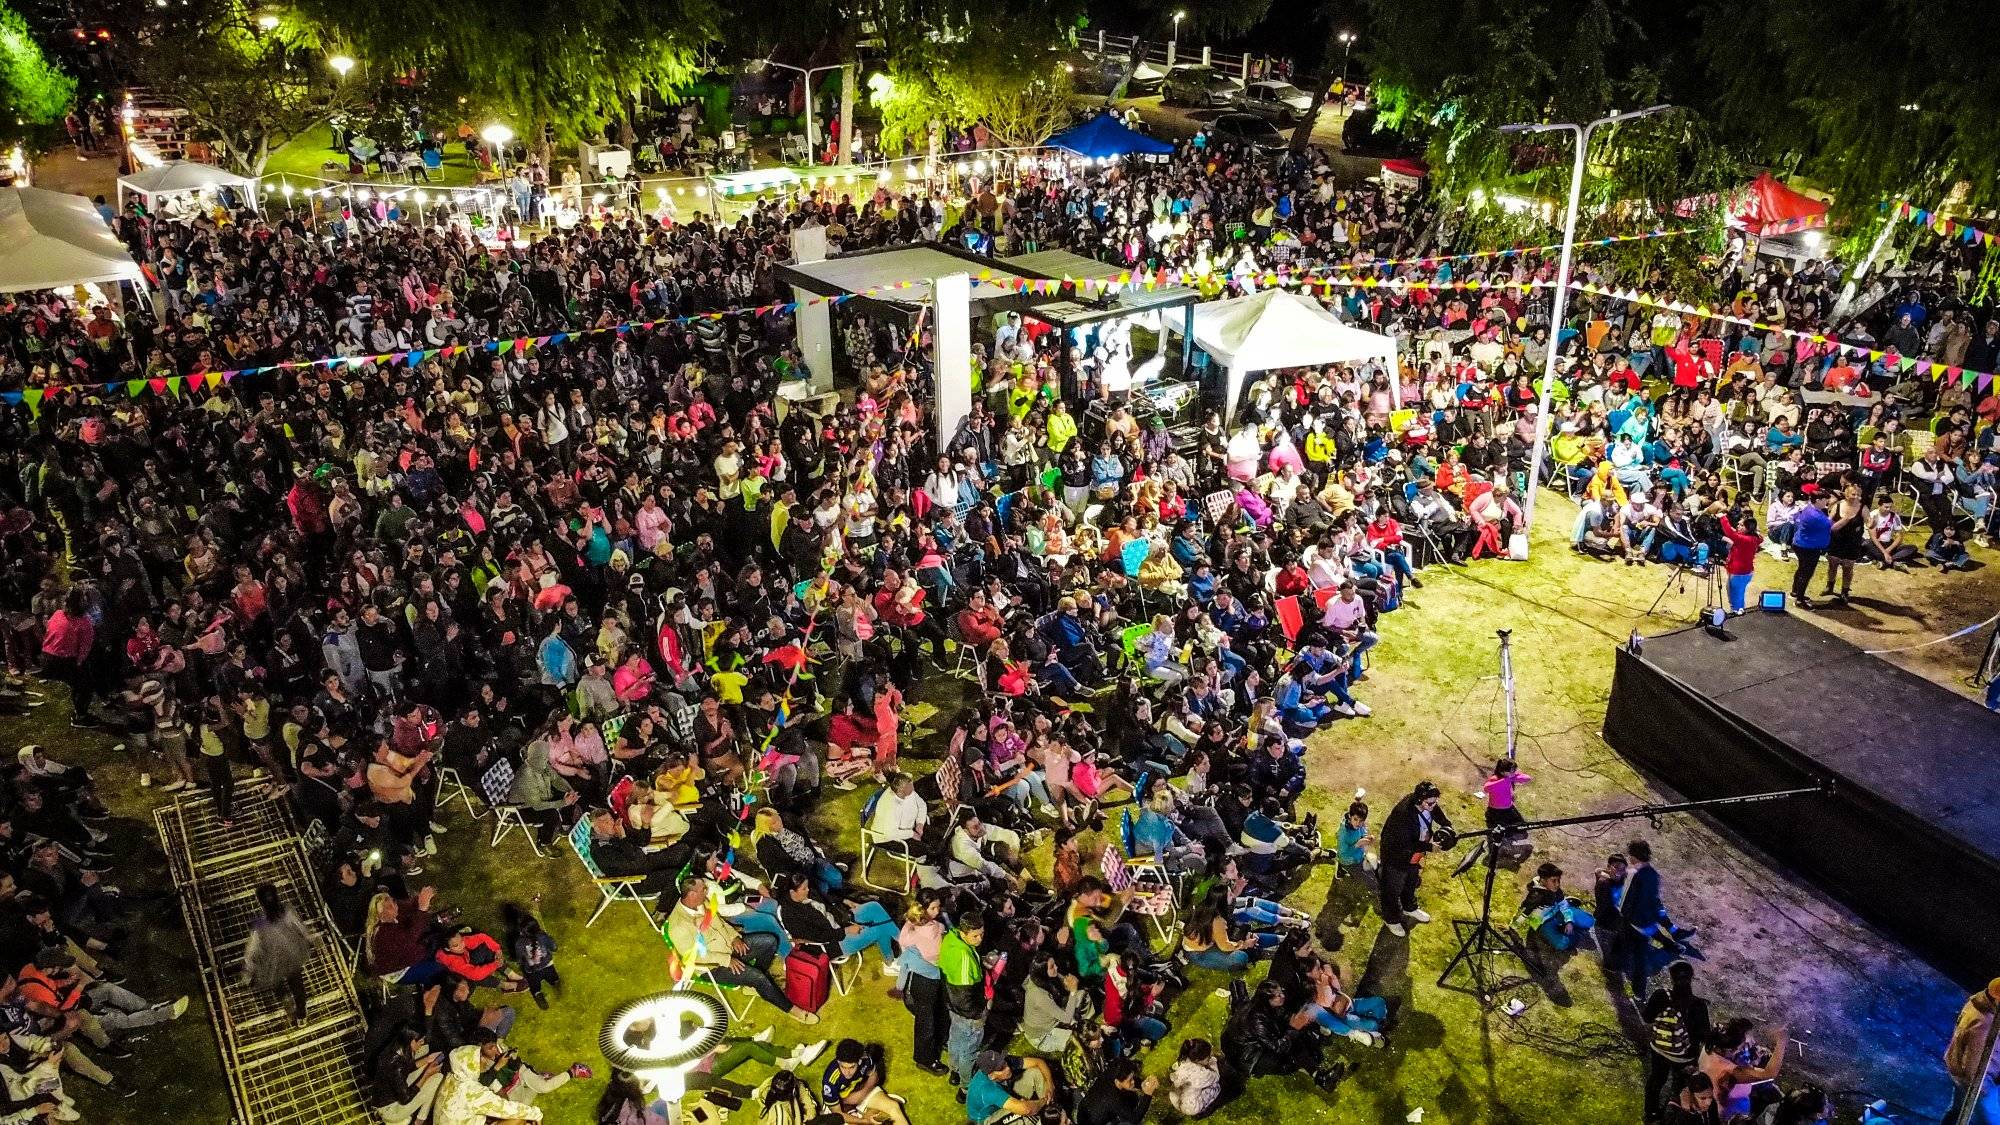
x: 705, y: 941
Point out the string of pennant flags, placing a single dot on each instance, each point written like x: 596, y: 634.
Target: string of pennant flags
x: 1379, y: 263
x: 1150, y: 280
x: 1946, y: 228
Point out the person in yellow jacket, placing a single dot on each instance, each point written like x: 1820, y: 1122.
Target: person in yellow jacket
x: 1320, y: 449
x: 1062, y: 428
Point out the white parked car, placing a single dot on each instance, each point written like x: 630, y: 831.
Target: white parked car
x: 1275, y: 99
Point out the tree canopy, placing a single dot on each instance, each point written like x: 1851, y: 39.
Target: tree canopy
x: 1872, y: 99
x: 1455, y: 72
x: 958, y: 63
x: 33, y: 90
x: 246, y: 88
x: 571, y: 67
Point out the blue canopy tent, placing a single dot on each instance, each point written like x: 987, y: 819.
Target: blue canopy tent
x: 1104, y: 135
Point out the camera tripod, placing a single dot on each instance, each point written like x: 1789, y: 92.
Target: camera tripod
x: 1714, y: 593
x: 1479, y: 941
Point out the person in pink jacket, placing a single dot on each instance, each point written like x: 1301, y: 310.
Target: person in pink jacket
x: 66, y: 644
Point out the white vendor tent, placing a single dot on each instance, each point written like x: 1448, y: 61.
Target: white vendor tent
x: 53, y: 240
x: 1279, y: 328
x: 183, y: 177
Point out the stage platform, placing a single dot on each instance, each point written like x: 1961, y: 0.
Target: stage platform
x: 1909, y: 837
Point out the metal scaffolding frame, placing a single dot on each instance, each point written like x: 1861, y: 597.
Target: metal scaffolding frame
x: 280, y: 1071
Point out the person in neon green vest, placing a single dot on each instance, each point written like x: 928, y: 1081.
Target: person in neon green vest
x: 1062, y: 428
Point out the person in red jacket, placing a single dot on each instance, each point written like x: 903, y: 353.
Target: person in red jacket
x: 1742, y: 563
x: 476, y: 957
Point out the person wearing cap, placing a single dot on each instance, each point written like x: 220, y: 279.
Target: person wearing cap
x: 1006, y: 1089
x: 54, y: 989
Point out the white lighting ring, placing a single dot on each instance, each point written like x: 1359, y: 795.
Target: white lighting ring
x: 686, y: 1026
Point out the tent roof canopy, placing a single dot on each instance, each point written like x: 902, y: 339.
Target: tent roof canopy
x: 1104, y: 135
x: 51, y: 240
x: 902, y: 275
x: 179, y: 176
x: 1280, y: 328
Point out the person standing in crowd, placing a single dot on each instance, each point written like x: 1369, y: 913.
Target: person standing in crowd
x: 1812, y: 534
x: 1971, y: 1061
x: 280, y: 946
x: 1415, y: 828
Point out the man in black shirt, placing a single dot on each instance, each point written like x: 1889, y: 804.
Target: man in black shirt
x: 1120, y: 1096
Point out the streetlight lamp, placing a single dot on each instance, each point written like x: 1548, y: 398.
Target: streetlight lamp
x: 1562, y: 285
x: 806, y: 73
x: 341, y: 64
x: 497, y: 135
x: 1175, y: 42
x: 267, y: 22
x: 1346, y: 48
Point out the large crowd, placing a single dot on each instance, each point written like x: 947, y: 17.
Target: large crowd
x: 622, y: 597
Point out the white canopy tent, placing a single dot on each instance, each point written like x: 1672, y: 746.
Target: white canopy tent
x: 183, y: 177
x: 1279, y: 328
x: 53, y: 240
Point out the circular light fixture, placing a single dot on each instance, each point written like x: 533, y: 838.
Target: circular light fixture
x: 341, y: 64
x: 496, y: 134
x: 658, y: 1037
x: 267, y: 21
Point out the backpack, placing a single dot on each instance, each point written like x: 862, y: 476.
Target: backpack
x: 1671, y: 1037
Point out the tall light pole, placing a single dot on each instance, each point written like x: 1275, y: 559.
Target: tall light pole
x: 1346, y: 49
x: 1562, y: 285
x: 812, y: 134
x: 1173, y: 44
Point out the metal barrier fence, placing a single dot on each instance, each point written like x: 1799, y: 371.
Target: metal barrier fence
x: 1166, y: 53
x: 280, y: 1071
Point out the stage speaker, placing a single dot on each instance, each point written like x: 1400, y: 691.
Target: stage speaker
x: 1771, y: 601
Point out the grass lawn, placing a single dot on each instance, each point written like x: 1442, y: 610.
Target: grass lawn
x: 1775, y: 949
x: 303, y: 155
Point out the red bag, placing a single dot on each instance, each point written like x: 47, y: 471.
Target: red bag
x: 808, y: 979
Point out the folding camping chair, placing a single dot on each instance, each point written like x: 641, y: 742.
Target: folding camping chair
x: 873, y: 844
x: 498, y: 786
x: 451, y: 787
x: 1152, y: 898
x: 610, y: 888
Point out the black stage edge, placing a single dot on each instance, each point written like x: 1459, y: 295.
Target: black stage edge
x: 1910, y: 836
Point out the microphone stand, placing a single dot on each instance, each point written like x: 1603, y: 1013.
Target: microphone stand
x: 1480, y: 940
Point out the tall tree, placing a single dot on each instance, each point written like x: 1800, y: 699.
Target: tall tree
x: 1872, y: 99
x: 246, y: 88
x: 563, y: 70
x: 33, y: 90
x: 1456, y: 72
x: 956, y: 63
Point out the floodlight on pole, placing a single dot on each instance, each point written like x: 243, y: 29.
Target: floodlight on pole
x: 341, y: 64
x: 1583, y: 133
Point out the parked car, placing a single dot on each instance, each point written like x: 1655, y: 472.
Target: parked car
x: 1275, y: 99
x: 1247, y: 129
x: 1203, y: 87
